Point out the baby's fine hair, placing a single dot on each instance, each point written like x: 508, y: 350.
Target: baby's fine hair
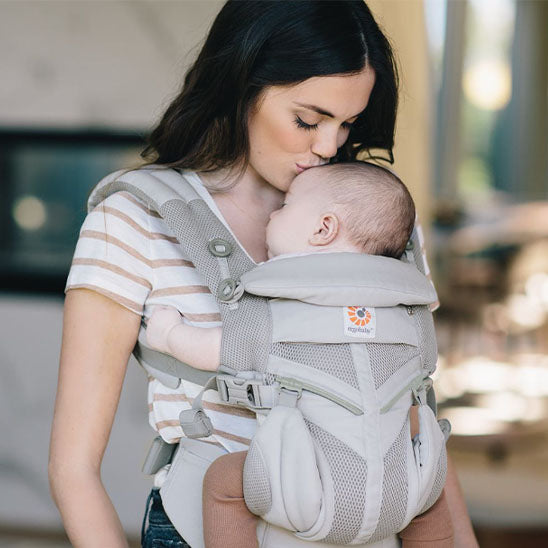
x: 376, y: 209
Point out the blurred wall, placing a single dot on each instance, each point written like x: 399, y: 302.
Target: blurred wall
x: 403, y: 21
x: 95, y: 63
x: 79, y: 64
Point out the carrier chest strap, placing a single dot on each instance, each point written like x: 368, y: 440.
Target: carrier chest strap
x: 247, y: 390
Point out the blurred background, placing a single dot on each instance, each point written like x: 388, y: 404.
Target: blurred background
x: 83, y: 82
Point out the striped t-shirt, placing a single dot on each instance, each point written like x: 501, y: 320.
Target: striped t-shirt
x: 127, y: 253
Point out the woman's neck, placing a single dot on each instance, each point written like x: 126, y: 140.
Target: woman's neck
x: 246, y: 206
x: 247, y: 189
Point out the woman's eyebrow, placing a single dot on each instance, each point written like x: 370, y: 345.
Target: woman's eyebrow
x: 315, y: 109
x: 320, y: 110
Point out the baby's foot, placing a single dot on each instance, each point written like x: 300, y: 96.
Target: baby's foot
x: 161, y: 322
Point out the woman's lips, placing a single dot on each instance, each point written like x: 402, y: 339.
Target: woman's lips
x: 301, y: 167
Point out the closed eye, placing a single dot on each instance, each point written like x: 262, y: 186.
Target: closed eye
x: 303, y: 125
x: 309, y: 127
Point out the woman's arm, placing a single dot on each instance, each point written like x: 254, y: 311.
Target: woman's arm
x: 462, y: 526
x: 98, y: 337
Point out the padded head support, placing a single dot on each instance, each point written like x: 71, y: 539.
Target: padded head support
x: 340, y: 279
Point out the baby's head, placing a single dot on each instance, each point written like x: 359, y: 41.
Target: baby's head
x: 359, y: 207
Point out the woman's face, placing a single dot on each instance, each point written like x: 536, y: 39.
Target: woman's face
x: 296, y: 127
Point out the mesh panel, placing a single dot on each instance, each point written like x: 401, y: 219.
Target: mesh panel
x: 386, y: 359
x: 269, y: 378
x: 439, y: 482
x: 194, y: 225
x: 257, y: 494
x: 427, y: 338
x: 394, y: 489
x: 247, y: 333
x: 335, y: 359
x: 349, y: 472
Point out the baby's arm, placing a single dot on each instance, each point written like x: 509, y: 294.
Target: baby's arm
x: 196, y: 346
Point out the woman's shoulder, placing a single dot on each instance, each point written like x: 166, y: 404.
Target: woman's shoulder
x: 124, y: 219
x: 153, y: 183
x: 115, y: 193
x: 125, y: 205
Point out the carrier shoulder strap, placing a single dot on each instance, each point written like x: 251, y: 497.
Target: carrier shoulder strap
x: 414, y: 250
x: 215, y: 253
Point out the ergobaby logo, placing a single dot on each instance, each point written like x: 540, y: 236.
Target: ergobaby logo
x: 359, y: 321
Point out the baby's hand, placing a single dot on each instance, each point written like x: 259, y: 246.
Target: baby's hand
x: 162, y: 321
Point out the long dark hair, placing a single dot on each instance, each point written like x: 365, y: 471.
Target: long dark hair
x: 254, y: 44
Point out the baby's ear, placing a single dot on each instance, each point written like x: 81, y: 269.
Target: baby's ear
x: 326, y: 230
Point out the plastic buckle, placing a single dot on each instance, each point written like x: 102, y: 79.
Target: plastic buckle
x: 238, y: 391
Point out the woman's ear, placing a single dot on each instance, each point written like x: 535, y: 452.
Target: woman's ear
x: 326, y: 230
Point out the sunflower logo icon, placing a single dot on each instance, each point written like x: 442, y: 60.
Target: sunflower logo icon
x: 358, y: 315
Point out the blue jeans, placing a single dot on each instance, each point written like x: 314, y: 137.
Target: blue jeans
x: 160, y: 532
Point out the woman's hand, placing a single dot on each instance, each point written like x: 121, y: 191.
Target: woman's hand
x: 98, y: 337
x: 160, y: 324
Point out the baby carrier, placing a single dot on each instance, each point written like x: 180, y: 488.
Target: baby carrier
x: 331, y: 350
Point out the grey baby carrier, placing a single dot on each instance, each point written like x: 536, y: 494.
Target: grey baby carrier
x: 331, y: 350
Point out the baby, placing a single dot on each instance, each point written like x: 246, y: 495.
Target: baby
x: 354, y: 207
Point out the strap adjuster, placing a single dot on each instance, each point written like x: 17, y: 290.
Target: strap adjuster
x: 241, y: 391
x: 219, y: 247
x: 420, y: 391
x: 229, y: 291
x: 289, y: 397
x: 195, y: 423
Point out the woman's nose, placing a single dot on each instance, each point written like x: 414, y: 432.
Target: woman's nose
x: 325, y: 144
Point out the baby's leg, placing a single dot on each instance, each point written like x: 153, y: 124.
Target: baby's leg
x: 227, y: 521
x: 433, y: 529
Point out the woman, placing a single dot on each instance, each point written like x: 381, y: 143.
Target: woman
x: 278, y: 87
